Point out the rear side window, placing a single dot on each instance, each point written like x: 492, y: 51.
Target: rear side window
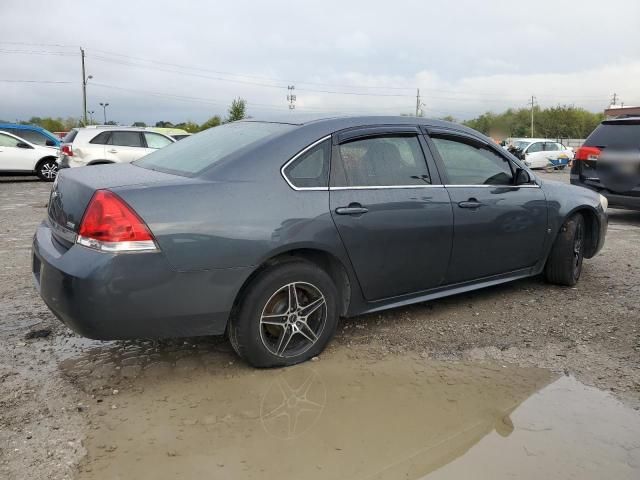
x: 615, y: 135
x: 471, y: 164
x: 551, y: 147
x: 69, y: 137
x: 156, y: 141
x: 126, y: 139
x: 199, y: 152
x: 382, y: 161
x: 535, y: 147
x: 101, y: 139
x: 311, y: 169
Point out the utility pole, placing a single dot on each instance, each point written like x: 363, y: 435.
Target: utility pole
x: 533, y: 102
x: 614, y: 99
x: 417, y: 102
x: 291, y: 98
x: 84, y: 88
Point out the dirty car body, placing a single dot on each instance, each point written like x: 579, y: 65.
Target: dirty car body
x: 385, y: 206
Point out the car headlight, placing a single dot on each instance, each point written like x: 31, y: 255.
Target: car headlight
x: 604, y: 203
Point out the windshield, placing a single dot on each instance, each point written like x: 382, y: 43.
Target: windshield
x: 198, y: 152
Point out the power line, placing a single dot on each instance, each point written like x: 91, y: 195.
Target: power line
x: 36, y: 81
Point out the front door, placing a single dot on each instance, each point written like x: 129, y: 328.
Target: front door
x: 498, y: 227
x: 14, y: 158
x: 392, y: 213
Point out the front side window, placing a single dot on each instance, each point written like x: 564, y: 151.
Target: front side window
x: 311, y: 169
x: 34, y: 137
x: 468, y: 163
x: 383, y: 161
x: 7, y: 141
x: 551, y: 147
x: 156, y: 141
x: 125, y: 139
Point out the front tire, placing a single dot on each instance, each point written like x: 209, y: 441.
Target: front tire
x: 287, y: 315
x: 564, y: 264
x: 47, y: 170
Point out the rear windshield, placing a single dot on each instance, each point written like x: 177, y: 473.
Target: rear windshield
x: 68, y: 138
x: 616, y: 135
x: 198, y: 152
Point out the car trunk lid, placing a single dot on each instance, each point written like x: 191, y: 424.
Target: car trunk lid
x: 74, y: 188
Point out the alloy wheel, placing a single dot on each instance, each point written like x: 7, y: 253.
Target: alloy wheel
x: 578, y: 243
x: 49, y: 170
x: 293, y: 319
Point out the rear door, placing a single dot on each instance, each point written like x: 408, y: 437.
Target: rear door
x: 125, y: 146
x: 498, y: 227
x: 393, y: 214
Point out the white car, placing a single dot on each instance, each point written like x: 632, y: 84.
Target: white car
x: 100, y: 145
x: 539, y: 152
x: 20, y: 156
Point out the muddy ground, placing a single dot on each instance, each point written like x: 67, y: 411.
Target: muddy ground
x: 62, y: 397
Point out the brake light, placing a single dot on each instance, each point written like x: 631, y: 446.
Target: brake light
x: 66, y: 149
x: 587, y: 153
x: 110, y: 225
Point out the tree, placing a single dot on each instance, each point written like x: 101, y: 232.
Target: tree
x: 214, y: 121
x: 163, y: 124
x: 139, y: 124
x: 189, y: 126
x: 237, y: 110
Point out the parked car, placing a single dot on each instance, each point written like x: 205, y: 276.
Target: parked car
x: 609, y: 162
x: 272, y: 231
x: 31, y: 133
x: 105, y: 144
x: 540, y: 152
x: 20, y: 156
x: 175, y: 133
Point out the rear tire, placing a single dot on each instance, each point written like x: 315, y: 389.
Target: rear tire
x: 564, y: 264
x: 47, y: 170
x: 287, y: 315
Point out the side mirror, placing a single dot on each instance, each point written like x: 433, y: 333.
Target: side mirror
x: 50, y: 143
x: 522, y: 177
x: 23, y: 145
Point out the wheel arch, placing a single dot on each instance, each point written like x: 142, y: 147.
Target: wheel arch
x: 322, y: 258
x: 592, y: 225
x: 100, y: 162
x: 44, y: 159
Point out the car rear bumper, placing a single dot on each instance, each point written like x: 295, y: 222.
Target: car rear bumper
x: 132, y: 295
x: 616, y: 200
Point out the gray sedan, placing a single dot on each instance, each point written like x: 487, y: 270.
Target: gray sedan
x: 271, y: 231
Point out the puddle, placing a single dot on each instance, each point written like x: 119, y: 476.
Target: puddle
x: 195, y: 411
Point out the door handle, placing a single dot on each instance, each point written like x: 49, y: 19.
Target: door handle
x: 113, y: 150
x: 471, y: 203
x: 352, y: 209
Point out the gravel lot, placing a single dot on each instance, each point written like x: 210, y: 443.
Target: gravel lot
x: 590, y: 331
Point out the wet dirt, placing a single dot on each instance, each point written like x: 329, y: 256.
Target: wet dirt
x: 190, y: 409
x: 197, y: 413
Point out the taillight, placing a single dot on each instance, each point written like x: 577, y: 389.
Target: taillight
x: 66, y: 149
x: 110, y: 225
x: 587, y: 153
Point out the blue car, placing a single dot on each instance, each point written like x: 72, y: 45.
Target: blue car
x: 32, y: 134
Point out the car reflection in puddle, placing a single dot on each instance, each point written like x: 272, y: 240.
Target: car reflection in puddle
x: 193, y: 411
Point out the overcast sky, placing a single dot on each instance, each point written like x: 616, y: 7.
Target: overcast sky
x: 180, y: 60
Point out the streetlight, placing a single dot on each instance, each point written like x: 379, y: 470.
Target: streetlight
x: 91, y: 112
x: 85, y: 80
x: 104, y: 110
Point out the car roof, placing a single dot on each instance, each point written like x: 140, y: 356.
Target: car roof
x: 339, y: 122
x: 622, y: 120
x: 22, y: 126
x: 534, y: 140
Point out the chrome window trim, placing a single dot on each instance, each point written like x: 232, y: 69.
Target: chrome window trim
x: 384, y: 187
x: 491, y: 186
x: 293, y: 159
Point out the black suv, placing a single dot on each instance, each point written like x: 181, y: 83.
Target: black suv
x: 609, y: 162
